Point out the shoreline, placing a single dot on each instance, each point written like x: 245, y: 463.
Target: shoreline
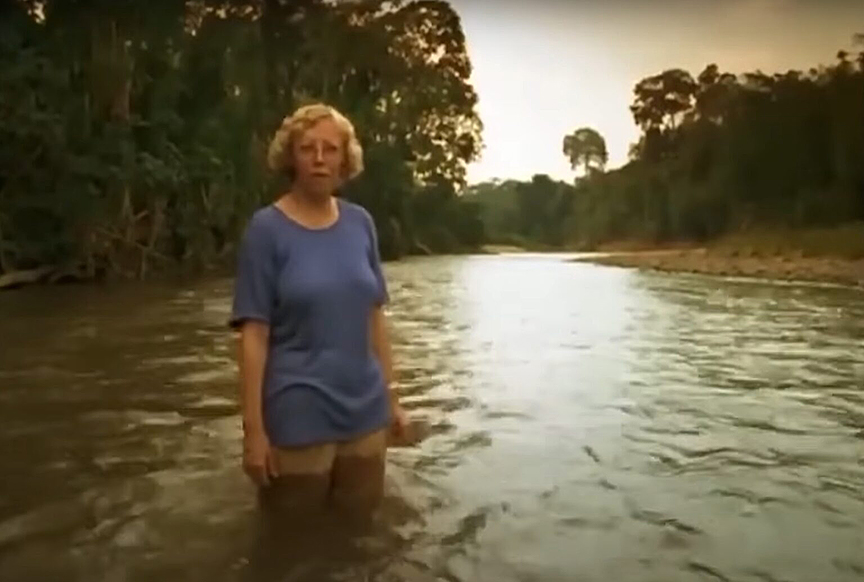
x: 718, y: 261
x: 709, y: 261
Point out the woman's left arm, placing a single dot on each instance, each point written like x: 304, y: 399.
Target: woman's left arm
x: 381, y: 346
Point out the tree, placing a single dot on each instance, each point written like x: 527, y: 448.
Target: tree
x: 714, y: 94
x: 134, y: 132
x: 728, y: 152
x: 660, y: 105
x: 661, y: 100
x: 544, y: 205
x: 431, y: 105
x: 585, y: 147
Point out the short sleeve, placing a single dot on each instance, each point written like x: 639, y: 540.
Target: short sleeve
x: 375, y: 262
x: 254, y: 286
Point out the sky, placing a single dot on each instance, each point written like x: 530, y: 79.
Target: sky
x: 543, y: 68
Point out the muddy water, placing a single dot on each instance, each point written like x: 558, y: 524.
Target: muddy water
x: 585, y: 423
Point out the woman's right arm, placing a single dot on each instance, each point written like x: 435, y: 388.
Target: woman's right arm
x: 257, y: 457
x: 251, y: 314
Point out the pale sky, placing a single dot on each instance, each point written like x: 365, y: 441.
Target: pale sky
x: 547, y: 67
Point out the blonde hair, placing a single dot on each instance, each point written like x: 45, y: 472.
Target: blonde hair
x: 280, y: 155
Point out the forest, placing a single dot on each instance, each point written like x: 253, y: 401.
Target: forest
x: 133, y: 137
x: 133, y: 133
x: 718, y: 153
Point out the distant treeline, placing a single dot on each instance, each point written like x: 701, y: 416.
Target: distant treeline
x: 133, y: 133
x: 717, y: 154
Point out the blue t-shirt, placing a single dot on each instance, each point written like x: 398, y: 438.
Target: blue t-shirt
x: 316, y: 289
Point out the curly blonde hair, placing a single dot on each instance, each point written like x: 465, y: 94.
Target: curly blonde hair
x: 280, y: 157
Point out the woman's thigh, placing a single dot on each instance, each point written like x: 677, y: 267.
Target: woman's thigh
x: 357, y: 478
x: 303, y: 479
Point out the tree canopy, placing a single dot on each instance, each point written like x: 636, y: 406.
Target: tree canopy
x: 133, y: 133
x: 586, y: 148
x: 730, y: 151
x: 717, y: 153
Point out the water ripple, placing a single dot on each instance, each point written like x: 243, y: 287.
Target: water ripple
x: 581, y: 422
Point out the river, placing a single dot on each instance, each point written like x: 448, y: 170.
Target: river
x: 585, y: 423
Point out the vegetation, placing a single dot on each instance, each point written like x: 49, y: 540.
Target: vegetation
x: 132, y: 137
x: 133, y: 133
x: 528, y: 214
x: 586, y: 148
x: 718, y: 154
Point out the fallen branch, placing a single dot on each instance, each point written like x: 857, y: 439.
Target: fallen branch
x: 26, y: 277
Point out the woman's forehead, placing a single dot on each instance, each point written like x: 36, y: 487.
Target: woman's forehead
x: 323, y: 129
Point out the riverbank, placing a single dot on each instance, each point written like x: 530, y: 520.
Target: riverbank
x: 708, y: 261
x: 224, y: 266
x: 833, y: 255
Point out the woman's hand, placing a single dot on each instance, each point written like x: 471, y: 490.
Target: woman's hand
x: 400, y: 425
x: 258, y: 457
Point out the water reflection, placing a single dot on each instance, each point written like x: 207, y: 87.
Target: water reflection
x: 585, y: 422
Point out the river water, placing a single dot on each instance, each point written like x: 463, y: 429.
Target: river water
x: 585, y: 423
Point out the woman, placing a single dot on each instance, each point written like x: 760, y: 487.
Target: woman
x: 314, y: 357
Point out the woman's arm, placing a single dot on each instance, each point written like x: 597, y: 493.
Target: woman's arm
x: 257, y: 461
x: 381, y: 344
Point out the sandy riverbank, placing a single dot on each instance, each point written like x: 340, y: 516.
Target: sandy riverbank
x: 823, y: 254
x: 723, y: 262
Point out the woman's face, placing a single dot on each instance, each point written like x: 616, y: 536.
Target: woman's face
x: 319, y: 157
